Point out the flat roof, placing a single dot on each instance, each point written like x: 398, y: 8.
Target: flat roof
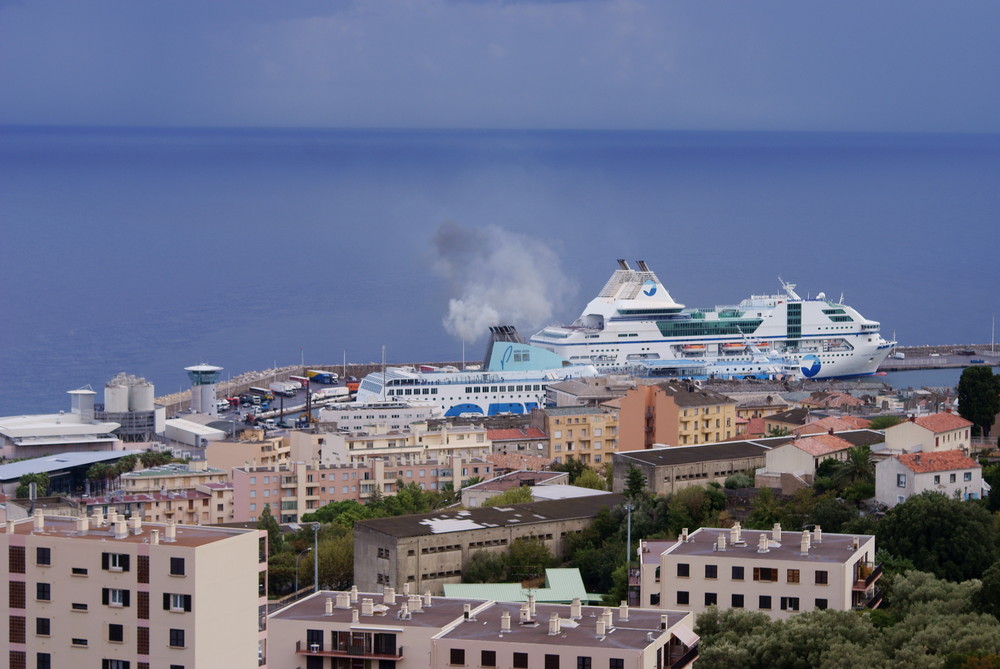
x: 441, y: 612
x: 725, y: 450
x: 187, y: 535
x: 193, y: 427
x: 59, y: 426
x: 442, y: 522
x: 51, y: 463
x: 834, y: 548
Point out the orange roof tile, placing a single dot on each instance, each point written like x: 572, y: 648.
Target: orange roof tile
x: 757, y: 427
x: 936, y: 461
x: 822, y: 444
x: 942, y: 422
x: 510, y: 434
x: 514, y: 461
x: 836, y: 423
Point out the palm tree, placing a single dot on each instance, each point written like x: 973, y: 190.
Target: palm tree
x: 859, y: 467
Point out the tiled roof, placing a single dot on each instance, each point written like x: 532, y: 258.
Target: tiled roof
x: 936, y: 461
x: 835, y: 423
x: 822, y: 444
x: 511, y: 434
x: 756, y: 427
x: 941, y: 422
x: 791, y: 417
x: 516, y: 461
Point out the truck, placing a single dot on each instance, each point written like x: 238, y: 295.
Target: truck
x: 339, y: 393
x: 319, y: 376
x: 263, y: 393
x: 285, y: 388
x: 303, y: 381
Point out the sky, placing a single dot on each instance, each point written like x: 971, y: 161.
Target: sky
x: 772, y: 65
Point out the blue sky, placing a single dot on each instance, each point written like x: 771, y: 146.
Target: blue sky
x: 850, y: 65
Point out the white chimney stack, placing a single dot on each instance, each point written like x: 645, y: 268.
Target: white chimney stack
x: 82, y: 525
x: 343, y: 600
x: 524, y: 614
x: 389, y: 596
x: 355, y: 617
x: 406, y: 589
x: 762, y: 544
x: 664, y: 619
x: 554, y: 625
x: 721, y: 543
x: 505, y: 621
x: 154, y: 537
x: 120, y: 528
x: 354, y: 594
x: 804, y: 543
x: 601, y: 627
x: 817, y: 535
x: 39, y: 520
x: 171, y: 532
x: 98, y: 519
x: 684, y: 535
x: 135, y: 524
x: 328, y: 606
x: 367, y: 606
x: 576, y: 609
x: 531, y: 604
x: 623, y: 612
x: 416, y: 603
x: 427, y: 599
x: 776, y: 532
x: 735, y: 534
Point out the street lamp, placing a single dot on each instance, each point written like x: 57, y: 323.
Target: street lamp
x: 297, y: 558
x: 315, y: 557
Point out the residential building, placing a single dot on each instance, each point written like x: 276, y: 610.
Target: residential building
x: 585, y: 433
x: 359, y: 417
x: 950, y: 473
x: 527, y: 440
x: 201, y: 504
x: 834, y: 423
x: 479, y: 494
x: 944, y: 431
x: 254, y: 448
x: 90, y: 592
x: 759, y: 405
x: 801, y: 456
x: 410, y: 631
x: 172, y: 476
x: 674, y: 414
x: 669, y: 469
x: 420, y: 441
x: 512, y: 462
x: 428, y: 550
x: 774, y: 572
x: 589, y: 391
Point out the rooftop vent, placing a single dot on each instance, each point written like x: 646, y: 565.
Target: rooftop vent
x: 505, y: 621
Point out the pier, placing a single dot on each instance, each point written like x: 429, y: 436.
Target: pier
x: 941, y: 357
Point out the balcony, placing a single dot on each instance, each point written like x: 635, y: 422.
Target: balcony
x: 865, y: 575
x: 869, y: 600
x: 686, y: 659
x: 634, y: 577
x: 358, y: 651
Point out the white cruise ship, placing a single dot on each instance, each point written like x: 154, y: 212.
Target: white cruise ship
x: 513, y: 379
x: 635, y: 321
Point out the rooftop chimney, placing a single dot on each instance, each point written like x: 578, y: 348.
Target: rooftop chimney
x: 427, y: 599
x: 416, y: 603
x: 762, y: 544
x: 406, y: 589
x: 389, y: 596
x: 601, y: 627
x: 98, y: 519
x: 39, y: 520
x: 720, y: 544
x: 354, y: 594
x: 10, y: 526
x: 367, y: 606
x: 404, y: 611
x: 82, y: 525
x: 531, y: 604
x: 817, y: 535
x: 505, y: 621
x: 343, y: 600
x: 135, y: 524
x: 355, y: 616
x: 607, y: 617
x: 804, y: 543
x: 327, y: 606
x: 575, y: 609
x: 554, y: 625
x: 855, y: 543
x: 736, y: 534
x: 776, y: 532
x: 170, y: 535
x: 664, y: 619
x: 684, y: 535
x: 120, y: 528
x: 623, y: 612
x: 524, y: 614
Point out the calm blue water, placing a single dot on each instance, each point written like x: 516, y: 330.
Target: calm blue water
x: 149, y: 250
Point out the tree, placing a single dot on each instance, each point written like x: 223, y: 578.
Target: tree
x: 635, y: 483
x: 987, y: 599
x: 574, y: 467
x: 155, y: 458
x: 529, y: 558
x: 336, y: 560
x: 859, y: 467
x: 520, y: 495
x: 267, y: 522
x: 591, y: 479
x: 882, y: 422
x: 41, y: 481
x: 831, y: 514
x: 774, y: 431
x: 951, y: 539
x: 739, y: 480
x: 487, y: 567
x: 979, y: 397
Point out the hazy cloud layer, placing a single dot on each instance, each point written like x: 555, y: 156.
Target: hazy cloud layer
x: 496, y: 277
x: 910, y: 65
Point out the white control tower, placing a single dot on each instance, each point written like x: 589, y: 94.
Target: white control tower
x: 203, y: 379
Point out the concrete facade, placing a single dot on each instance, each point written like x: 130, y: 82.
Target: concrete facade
x: 674, y: 414
x: 94, y: 592
x: 668, y: 470
x: 936, y: 432
x: 420, y: 442
x: 586, y: 433
x: 774, y: 572
x: 950, y: 473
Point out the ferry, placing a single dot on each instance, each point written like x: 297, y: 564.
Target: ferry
x: 513, y: 379
x: 635, y: 318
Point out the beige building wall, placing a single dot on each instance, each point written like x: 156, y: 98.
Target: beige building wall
x: 589, y: 435
x: 254, y: 450
x: 172, y: 477
x: 654, y: 415
x: 908, y: 436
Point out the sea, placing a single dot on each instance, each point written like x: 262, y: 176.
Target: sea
x: 145, y: 250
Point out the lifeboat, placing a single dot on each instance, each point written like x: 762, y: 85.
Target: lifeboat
x: 694, y: 347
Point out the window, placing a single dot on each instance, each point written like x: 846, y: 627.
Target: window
x: 43, y: 556
x: 737, y: 573
x: 142, y: 640
x: 711, y: 599
x: 115, y: 664
x: 77, y: 606
x: 43, y: 626
x: 176, y: 566
x: 551, y: 661
x: 457, y: 656
x: 821, y: 604
x: 683, y: 570
x: 520, y: 661
x: 176, y: 602
x: 822, y: 577
x: 142, y: 568
x: 16, y: 593
x: 43, y: 661
x: 793, y: 575
x: 967, y: 476
x: 17, y: 631
x: 711, y: 571
x: 765, y: 574
x: 951, y: 478
x: 737, y: 601
x: 75, y: 641
x: 116, y: 633
x: 901, y: 480
x: 15, y: 561
x: 488, y: 658
x: 43, y: 592
x: 682, y: 597
x: 78, y: 571
x: 937, y: 479
x: 616, y: 663
x: 764, y: 602
x: 176, y: 638
x: 583, y: 662
x: 114, y: 561
x: 142, y: 605
x: 789, y: 603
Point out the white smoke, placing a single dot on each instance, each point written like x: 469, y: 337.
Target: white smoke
x: 496, y: 277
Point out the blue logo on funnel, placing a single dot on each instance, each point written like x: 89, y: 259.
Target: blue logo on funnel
x: 813, y: 369
x: 649, y: 288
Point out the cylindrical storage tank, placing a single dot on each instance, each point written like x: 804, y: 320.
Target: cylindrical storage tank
x: 141, y: 397
x: 115, y: 399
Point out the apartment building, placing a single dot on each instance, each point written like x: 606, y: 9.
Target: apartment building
x: 172, y: 477
x: 428, y: 550
x: 777, y: 573
x: 358, y: 416
x: 944, y: 431
x: 254, y: 449
x: 410, y: 631
x: 526, y: 440
x: 585, y: 433
x: 300, y: 487
x: 950, y: 473
x: 674, y: 414
x: 420, y: 441
x: 204, y: 504
x: 96, y: 592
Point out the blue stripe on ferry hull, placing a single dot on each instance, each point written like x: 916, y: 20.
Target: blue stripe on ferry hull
x: 459, y: 409
x: 506, y: 407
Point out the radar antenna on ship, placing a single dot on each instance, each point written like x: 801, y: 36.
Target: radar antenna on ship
x: 790, y: 289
